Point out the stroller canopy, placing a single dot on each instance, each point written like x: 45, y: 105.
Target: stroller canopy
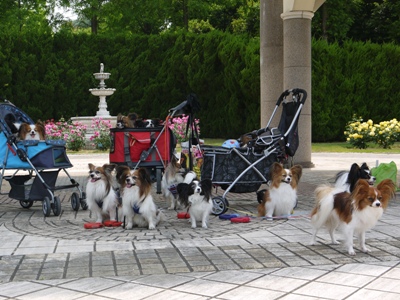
x: 11, y: 115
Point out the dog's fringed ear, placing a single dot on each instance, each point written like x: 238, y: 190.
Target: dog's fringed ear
x: 206, y: 186
x: 109, y: 168
x: 361, y: 189
x: 297, y: 171
x: 183, y: 190
x: 388, y: 191
x: 91, y: 166
x: 144, y: 175
x: 276, y: 167
x: 353, y: 176
x: 121, y: 170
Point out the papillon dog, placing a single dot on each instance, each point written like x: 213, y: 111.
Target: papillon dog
x: 195, y: 195
x: 101, y: 198
x: 346, y: 180
x: 148, y: 123
x: 128, y: 121
x: 354, y: 212
x: 281, y: 197
x: 31, y: 131
x: 137, y: 201
x: 173, y: 174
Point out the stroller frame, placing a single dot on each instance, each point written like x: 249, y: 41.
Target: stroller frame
x: 44, y: 178
x: 268, y: 145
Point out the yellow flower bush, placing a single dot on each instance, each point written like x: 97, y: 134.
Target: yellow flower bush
x: 359, y: 133
x: 387, y: 133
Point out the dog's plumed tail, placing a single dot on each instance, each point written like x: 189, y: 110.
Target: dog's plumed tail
x: 324, y: 205
x: 189, y: 177
x: 261, y: 207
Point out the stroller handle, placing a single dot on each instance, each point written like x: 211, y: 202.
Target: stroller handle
x: 295, y: 91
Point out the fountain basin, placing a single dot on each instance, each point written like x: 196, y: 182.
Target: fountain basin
x: 102, y: 92
x: 102, y: 76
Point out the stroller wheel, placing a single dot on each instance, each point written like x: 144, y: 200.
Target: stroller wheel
x: 83, y: 201
x: 26, y: 204
x: 75, y: 201
x: 56, y: 206
x: 220, y: 205
x: 46, y: 207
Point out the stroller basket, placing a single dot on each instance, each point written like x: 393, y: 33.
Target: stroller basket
x: 26, y: 187
x: 223, y: 166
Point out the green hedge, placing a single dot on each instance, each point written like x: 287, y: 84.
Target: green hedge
x: 50, y: 77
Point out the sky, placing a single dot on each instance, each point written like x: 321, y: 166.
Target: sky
x: 68, y: 14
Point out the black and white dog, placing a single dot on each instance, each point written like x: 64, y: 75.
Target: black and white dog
x: 347, y: 180
x: 196, y: 196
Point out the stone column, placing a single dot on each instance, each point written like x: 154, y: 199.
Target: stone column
x: 297, y: 72
x: 271, y: 58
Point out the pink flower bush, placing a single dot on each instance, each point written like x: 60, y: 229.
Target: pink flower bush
x: 73, y: 133
x: 101, y: 138
x: 178, y: 127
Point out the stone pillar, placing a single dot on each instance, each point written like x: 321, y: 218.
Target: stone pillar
x: 271, y: 58
x: 297, y: 72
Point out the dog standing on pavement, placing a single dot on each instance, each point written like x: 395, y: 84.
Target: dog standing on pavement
x: 354, y: 212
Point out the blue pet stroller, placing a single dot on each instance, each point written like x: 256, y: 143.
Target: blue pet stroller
x: 244, y: 169
x: 41, y: 162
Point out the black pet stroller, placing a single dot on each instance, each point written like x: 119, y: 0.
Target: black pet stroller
x: 244, y: 169
x: 150, y: 148
x: 36, y: 164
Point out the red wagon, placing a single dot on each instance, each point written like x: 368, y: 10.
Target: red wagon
x: 151, y: 148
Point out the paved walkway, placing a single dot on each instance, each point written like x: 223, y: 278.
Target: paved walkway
x: 56, y: 258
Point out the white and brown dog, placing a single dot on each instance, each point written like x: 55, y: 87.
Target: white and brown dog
x: 31, y: 131
x: 101, y: 198
x: 137, y: 201
x: 281, y: 197
x: 354, y: 213
x: 173, y: 175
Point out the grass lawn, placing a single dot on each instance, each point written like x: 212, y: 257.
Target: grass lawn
x: 330, y: 147
x: 315, y: 147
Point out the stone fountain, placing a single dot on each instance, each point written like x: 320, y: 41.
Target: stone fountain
x: 102, y: 92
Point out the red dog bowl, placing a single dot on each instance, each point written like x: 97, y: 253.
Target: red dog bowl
x: 112, y: 223
x: 92, y: 225
x: 241, y: 220
x: 183, y: 215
